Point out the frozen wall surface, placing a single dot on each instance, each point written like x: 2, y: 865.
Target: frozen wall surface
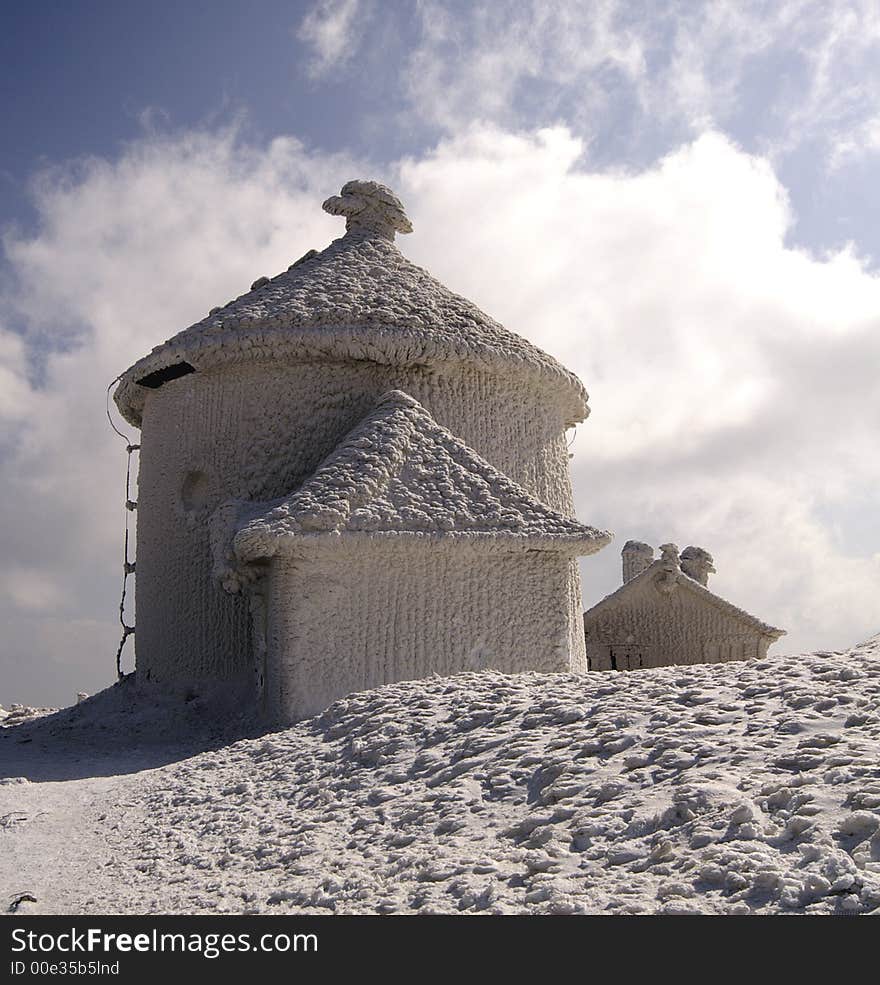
x: 245, y: 405
x: 354, y: 619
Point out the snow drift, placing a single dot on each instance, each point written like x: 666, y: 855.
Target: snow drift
x: 740, y: 788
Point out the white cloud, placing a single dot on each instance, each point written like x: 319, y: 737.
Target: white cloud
x: 862, y: 140
x: 797, y: 70
x: 33, y: 590
x: 731, y: 378
x: 330, y: 29
x: 469, y: 63
x: 14, y: 388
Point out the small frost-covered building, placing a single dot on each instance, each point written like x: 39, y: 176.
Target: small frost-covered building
x: 664, y: 613
x: 351, y: 476
x: 403, y: 555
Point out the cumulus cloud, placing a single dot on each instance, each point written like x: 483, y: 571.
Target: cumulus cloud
x: 14, y: 388
x: 471, y: 63
x: 730, y: 376
x: 862, y: 140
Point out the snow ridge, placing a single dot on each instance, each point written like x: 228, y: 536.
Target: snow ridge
x: 742, y: 788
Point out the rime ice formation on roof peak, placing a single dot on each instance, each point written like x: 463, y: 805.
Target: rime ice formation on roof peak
x: 698, y: 564
x: 369, y: 208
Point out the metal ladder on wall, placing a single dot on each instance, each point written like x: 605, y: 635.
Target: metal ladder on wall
x: 128, y: 565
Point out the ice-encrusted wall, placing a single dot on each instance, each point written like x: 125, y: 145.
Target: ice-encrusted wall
x: 255, y: 431
x: 441, y: 610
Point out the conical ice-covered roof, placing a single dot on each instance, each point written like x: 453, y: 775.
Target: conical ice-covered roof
x: 399, y: 474
x: 360, y: 298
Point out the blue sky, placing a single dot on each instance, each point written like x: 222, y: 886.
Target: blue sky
x: 87, y: 76
x: 677, y: 199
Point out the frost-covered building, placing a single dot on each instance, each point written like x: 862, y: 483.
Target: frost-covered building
x: 664, y: 613
x: 351, y: 476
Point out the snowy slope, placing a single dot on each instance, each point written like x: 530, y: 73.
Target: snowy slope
x: 742, y: 787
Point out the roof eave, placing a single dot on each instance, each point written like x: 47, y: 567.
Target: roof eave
x: 251, y: 548
x: 388, y: 345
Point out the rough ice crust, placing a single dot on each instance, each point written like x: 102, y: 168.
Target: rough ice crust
x: 434, y: 612
x: 281, y: 375
x: 369, y: 207
x: 359, y: 299
x: 636, y: 557
x: 698, y: 564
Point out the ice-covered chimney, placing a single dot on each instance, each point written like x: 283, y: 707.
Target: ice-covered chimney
x: 697, y: 564
x: 636, y: 557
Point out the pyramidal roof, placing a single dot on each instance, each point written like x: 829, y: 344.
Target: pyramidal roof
x: 360, y: 298
x: 399, y: 474
x: 663, y: 566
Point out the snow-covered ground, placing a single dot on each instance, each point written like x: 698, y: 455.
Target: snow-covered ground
x: 746, y: 787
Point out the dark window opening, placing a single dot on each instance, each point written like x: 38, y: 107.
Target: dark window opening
x: 159, y: 376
